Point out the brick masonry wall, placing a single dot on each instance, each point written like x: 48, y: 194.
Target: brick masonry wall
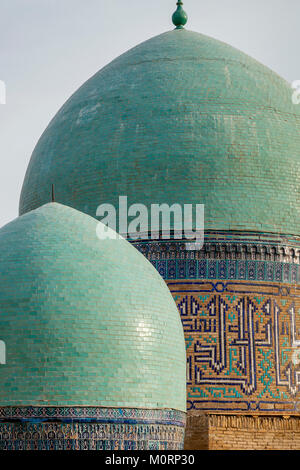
x: 242, y: 432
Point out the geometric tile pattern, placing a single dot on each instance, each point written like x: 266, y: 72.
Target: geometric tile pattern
x: 96, y: 414
x: 243, y: 344
x: 43, y: 428
x: 238, y: 298
x: 255, y: 257
x: 228, y: 269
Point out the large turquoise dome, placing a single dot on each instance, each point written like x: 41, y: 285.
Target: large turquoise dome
x: 85, y: 322
x: 180, y: 118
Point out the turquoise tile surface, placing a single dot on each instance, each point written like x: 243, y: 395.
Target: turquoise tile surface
x: 86, y: 322
x: 180, y: 118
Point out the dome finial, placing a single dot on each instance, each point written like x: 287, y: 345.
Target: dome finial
x: 180, y: 17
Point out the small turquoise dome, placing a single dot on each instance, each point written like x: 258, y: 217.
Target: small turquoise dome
x: 86, y: 322
x: 181, y: 118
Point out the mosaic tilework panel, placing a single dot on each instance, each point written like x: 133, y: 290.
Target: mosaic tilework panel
x: 243, y: 344
x: 230, y: 245
x: 90, y: 429
x: 228, y: 255
x: 228, y: 269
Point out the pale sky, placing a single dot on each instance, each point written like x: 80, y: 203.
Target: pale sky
x: 48, y: 48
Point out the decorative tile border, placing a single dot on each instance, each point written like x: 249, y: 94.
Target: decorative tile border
x: 244, y: 270
x: 227, y: 256
x: 89, y: 436
x: 244, y: 406
x: 94, y: 414
x: 76, y: 428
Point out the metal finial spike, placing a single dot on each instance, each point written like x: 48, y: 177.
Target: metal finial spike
x: 180, y: 17
x: 52, y: 193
